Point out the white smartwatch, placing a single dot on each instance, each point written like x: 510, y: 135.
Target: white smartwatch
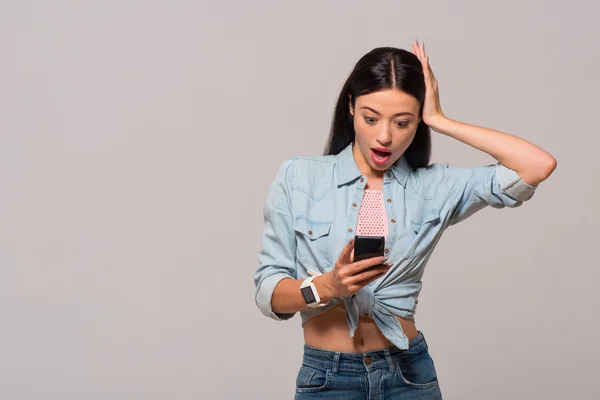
x: 309, y: 292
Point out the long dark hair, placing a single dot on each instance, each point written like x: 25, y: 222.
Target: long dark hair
x: 381, y: 68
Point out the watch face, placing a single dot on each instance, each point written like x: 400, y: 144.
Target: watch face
x: 307, y: 293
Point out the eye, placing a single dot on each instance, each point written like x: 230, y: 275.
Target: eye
x: 370, y: 120
x: 402, y: 124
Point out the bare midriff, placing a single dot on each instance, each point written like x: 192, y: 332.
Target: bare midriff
x: 330, y: 331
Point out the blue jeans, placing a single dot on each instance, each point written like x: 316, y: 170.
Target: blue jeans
x: 390, y: 373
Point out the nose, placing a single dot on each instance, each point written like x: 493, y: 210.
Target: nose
x: 384, y: 136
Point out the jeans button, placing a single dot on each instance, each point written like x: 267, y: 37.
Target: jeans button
x: 368, y: 360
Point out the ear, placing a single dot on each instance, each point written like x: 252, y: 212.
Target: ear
x: 350, y: 105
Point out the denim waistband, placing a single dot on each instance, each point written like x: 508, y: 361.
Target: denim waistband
x: 370, y: 360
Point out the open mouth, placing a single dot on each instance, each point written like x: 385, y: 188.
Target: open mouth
x: 381, y: 156
x: 381, y: 153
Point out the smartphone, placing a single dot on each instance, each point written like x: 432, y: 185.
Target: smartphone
x: 368, y: 247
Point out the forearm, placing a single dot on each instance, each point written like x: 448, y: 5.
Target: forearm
x: 287, y: 297
x: 531, y: 163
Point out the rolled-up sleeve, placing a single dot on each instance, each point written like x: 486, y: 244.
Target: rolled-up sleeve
x: 277, y: 257
x: 494, y: 185
x: 512, y: 184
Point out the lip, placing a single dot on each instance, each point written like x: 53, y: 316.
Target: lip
x: 380, y: 160
x: 382, y: 149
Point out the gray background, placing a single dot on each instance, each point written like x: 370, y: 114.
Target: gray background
x: 138, y: 141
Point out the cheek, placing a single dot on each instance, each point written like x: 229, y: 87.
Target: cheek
x: 403, y: 140
x: 358, y: 131
x: 407, y: 135
x: 363, y: 130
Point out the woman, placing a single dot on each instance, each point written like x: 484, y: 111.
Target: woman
x: 361, y: 340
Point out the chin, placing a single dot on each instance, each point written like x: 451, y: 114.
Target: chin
x: 379, y: 167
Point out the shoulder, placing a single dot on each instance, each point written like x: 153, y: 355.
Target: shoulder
x: 452, y: 178
x: 311, y: 163
x: 444, y: 173
x: 428, y: 179
x: 310, y: 174
x: 432, y: 171
x: 438, y: 178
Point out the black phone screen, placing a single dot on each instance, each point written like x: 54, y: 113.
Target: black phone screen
x: 368, y: 247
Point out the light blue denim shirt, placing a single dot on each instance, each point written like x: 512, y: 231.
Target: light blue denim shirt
x: 311, y: 212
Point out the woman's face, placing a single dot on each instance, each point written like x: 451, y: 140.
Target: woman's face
x: 385, y: 123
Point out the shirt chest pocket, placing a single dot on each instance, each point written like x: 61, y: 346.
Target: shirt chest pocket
x: 426, y: 229
x: 428, y: 220
x: 313, y: 243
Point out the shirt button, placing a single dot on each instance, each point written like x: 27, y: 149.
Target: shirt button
x: 389, y: 175
x: 362, y: 179
x: 387, y: 251
x: 349, y: 229
x: 354, y: 205
x: 310, y: 232
x: 389, y: 200
x: 393, y: 221
x: 368, y: 360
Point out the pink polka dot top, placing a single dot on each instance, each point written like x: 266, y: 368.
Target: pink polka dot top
x: 372, y: 219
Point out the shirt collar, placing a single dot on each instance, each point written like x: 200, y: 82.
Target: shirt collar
x: 346, y: 169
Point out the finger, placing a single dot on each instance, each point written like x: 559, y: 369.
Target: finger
x: 430, y: 72
x: 415, y: 47
x: 366, y: 263
x: 346, y: 251
x: 357, y: 285
x: 368, y: 277
x: 421, y: 56
x: 426, y: 73
x: 429, y: 66
x: 432, y: 76
x: 352, y: 256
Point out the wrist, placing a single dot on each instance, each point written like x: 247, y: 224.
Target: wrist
x: 439, y: 123
x: 323, y: 288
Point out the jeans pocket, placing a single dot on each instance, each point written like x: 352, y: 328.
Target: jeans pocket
x: 417, y: 370
x: 311, y: 379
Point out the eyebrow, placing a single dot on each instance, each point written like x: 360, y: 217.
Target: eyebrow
x: 400, y: 113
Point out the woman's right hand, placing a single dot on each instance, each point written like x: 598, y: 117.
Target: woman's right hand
x: 348, y: 277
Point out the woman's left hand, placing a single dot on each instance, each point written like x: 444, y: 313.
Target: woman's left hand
x: 432, y: 111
